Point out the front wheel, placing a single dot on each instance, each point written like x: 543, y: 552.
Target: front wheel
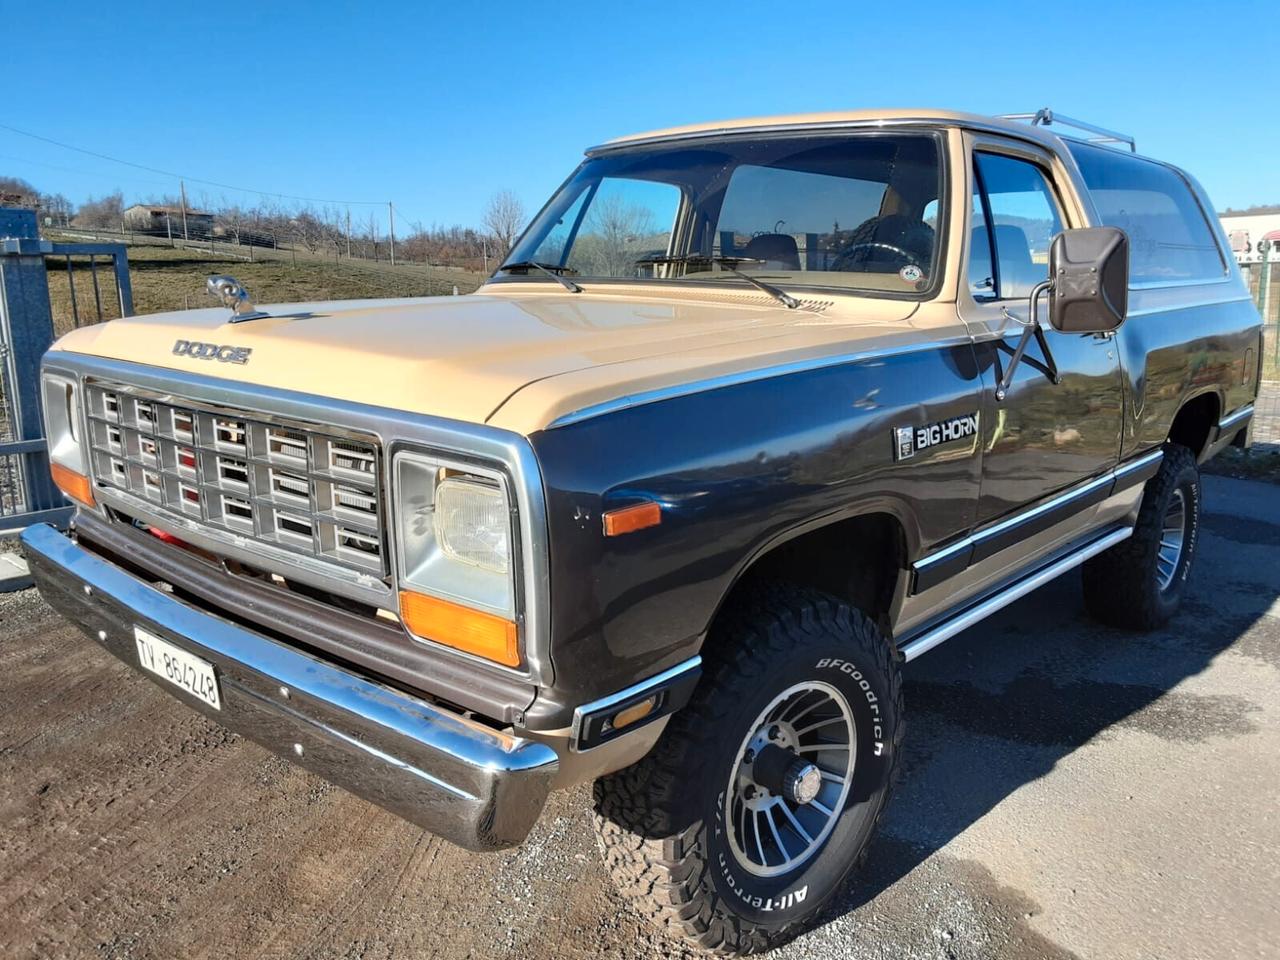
x: 763, y: 794
x: 1138, y: 584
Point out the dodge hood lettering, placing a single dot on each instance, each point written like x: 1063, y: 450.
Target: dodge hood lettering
x: 227, y: 353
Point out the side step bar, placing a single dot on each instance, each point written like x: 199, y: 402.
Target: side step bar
x: 979, y: 611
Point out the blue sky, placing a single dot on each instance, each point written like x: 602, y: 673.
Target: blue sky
x: 436, y: 106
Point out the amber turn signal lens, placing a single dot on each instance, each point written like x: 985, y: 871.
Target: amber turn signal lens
x: 484, y: 634
x: 75, y: 485
x: 628, y: 519
x: 637, y: 711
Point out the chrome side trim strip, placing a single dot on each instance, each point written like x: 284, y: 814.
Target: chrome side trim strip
x: 1138, y: 463
x: 1048, y: 506
x: 935, y: 558
x: 748, y: 376
x: 1194, y: 282
x: 927, y: 641
x: 1240, y: 416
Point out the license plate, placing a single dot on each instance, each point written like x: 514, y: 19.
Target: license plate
x: 178, y: 667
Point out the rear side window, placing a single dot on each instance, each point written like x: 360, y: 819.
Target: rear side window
x: 1169, y: 238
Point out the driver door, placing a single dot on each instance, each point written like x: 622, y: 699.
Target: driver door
x: 1043, y: 438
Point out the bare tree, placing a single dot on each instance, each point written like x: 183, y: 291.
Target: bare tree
x: 373, y: 234
x: 16, y: 192
x: 504, y: 218
x: 104, y: 213
x: 614, y: 235
x: 57, y: 207
x: 231, y: 221
x: 51, y: 207
x: 310, y: 229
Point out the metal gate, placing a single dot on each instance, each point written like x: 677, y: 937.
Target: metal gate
x: 1264, y: 288
x: 27, y: 494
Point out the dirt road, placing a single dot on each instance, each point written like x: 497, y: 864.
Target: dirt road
x: 1069, y: 790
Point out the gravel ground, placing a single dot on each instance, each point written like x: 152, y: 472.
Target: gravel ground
x: 1068, y: 791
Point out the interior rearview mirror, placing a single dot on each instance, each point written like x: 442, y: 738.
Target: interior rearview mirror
x: 1089, y: 272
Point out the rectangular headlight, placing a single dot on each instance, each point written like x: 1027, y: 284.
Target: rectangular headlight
x: 455, y: 543
x: 473, y: 524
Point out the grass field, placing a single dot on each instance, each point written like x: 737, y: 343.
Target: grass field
x: 166, y: 278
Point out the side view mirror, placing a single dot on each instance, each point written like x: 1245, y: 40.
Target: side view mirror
x: 1089, y: 273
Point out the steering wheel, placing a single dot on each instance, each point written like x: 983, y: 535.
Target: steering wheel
x: 846, y: 255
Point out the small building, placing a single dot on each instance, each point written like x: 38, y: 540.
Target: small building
x: 1246, y: 232
x: 159, y: 219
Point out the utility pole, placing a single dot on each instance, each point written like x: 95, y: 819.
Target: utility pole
x: 391, y: 222
x: 348, y: 233
x: 168, y: 226
x: 183, y: 187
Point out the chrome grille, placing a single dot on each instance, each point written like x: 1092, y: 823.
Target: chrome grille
x: 310, y: 491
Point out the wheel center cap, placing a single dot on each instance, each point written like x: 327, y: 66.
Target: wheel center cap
x: 773, y: 770
x: 802, y: 781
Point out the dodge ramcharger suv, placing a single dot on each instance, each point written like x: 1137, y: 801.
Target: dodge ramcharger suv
x: 752, y: 414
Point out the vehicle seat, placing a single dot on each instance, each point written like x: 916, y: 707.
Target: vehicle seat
x: 1018, y: 272
x: 778, y: 250
x: 897, y: 230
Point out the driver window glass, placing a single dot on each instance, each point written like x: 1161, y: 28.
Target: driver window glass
x: 627, y: 221
x: 982, y: 276
x: 1024, y: 219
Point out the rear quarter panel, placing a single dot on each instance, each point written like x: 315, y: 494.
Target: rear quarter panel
x: 1180, y: 342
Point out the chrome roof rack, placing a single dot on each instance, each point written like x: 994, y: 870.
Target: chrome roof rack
x: 1044, y: 117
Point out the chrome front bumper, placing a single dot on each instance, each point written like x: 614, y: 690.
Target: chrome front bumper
x: 474, y: 786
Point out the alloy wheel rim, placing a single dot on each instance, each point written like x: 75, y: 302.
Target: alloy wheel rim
x: 770, y: 833
x: 1172, y: 540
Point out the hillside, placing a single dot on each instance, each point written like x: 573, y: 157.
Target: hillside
x: 166, y: 278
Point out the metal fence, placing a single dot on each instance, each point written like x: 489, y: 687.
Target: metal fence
x: 1266, y: 419
x: 94, y: 277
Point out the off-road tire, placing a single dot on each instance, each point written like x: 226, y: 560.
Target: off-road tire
x: 657, y: 822
x: 1121, y: 585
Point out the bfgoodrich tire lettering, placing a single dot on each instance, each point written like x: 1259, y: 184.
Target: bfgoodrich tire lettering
x: 663, y: 824
x: 1134, y: 584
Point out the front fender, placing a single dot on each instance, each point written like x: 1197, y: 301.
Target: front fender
x: 737, y: 471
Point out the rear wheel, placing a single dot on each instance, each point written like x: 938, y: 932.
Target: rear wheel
x: 764, y: 792
x: 1139, y: 583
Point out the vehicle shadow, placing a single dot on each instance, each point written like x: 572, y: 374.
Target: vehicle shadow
x: 1000, y: 705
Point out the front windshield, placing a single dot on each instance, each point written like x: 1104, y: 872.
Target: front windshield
x: 855, y: 210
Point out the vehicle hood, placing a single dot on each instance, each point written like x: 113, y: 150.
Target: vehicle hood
x: 466, y: 358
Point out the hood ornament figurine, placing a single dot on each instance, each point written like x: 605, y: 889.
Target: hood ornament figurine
x: 234, y: 296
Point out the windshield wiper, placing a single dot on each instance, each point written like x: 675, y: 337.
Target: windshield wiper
x: 729, y: 265
x: 553, y: 270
